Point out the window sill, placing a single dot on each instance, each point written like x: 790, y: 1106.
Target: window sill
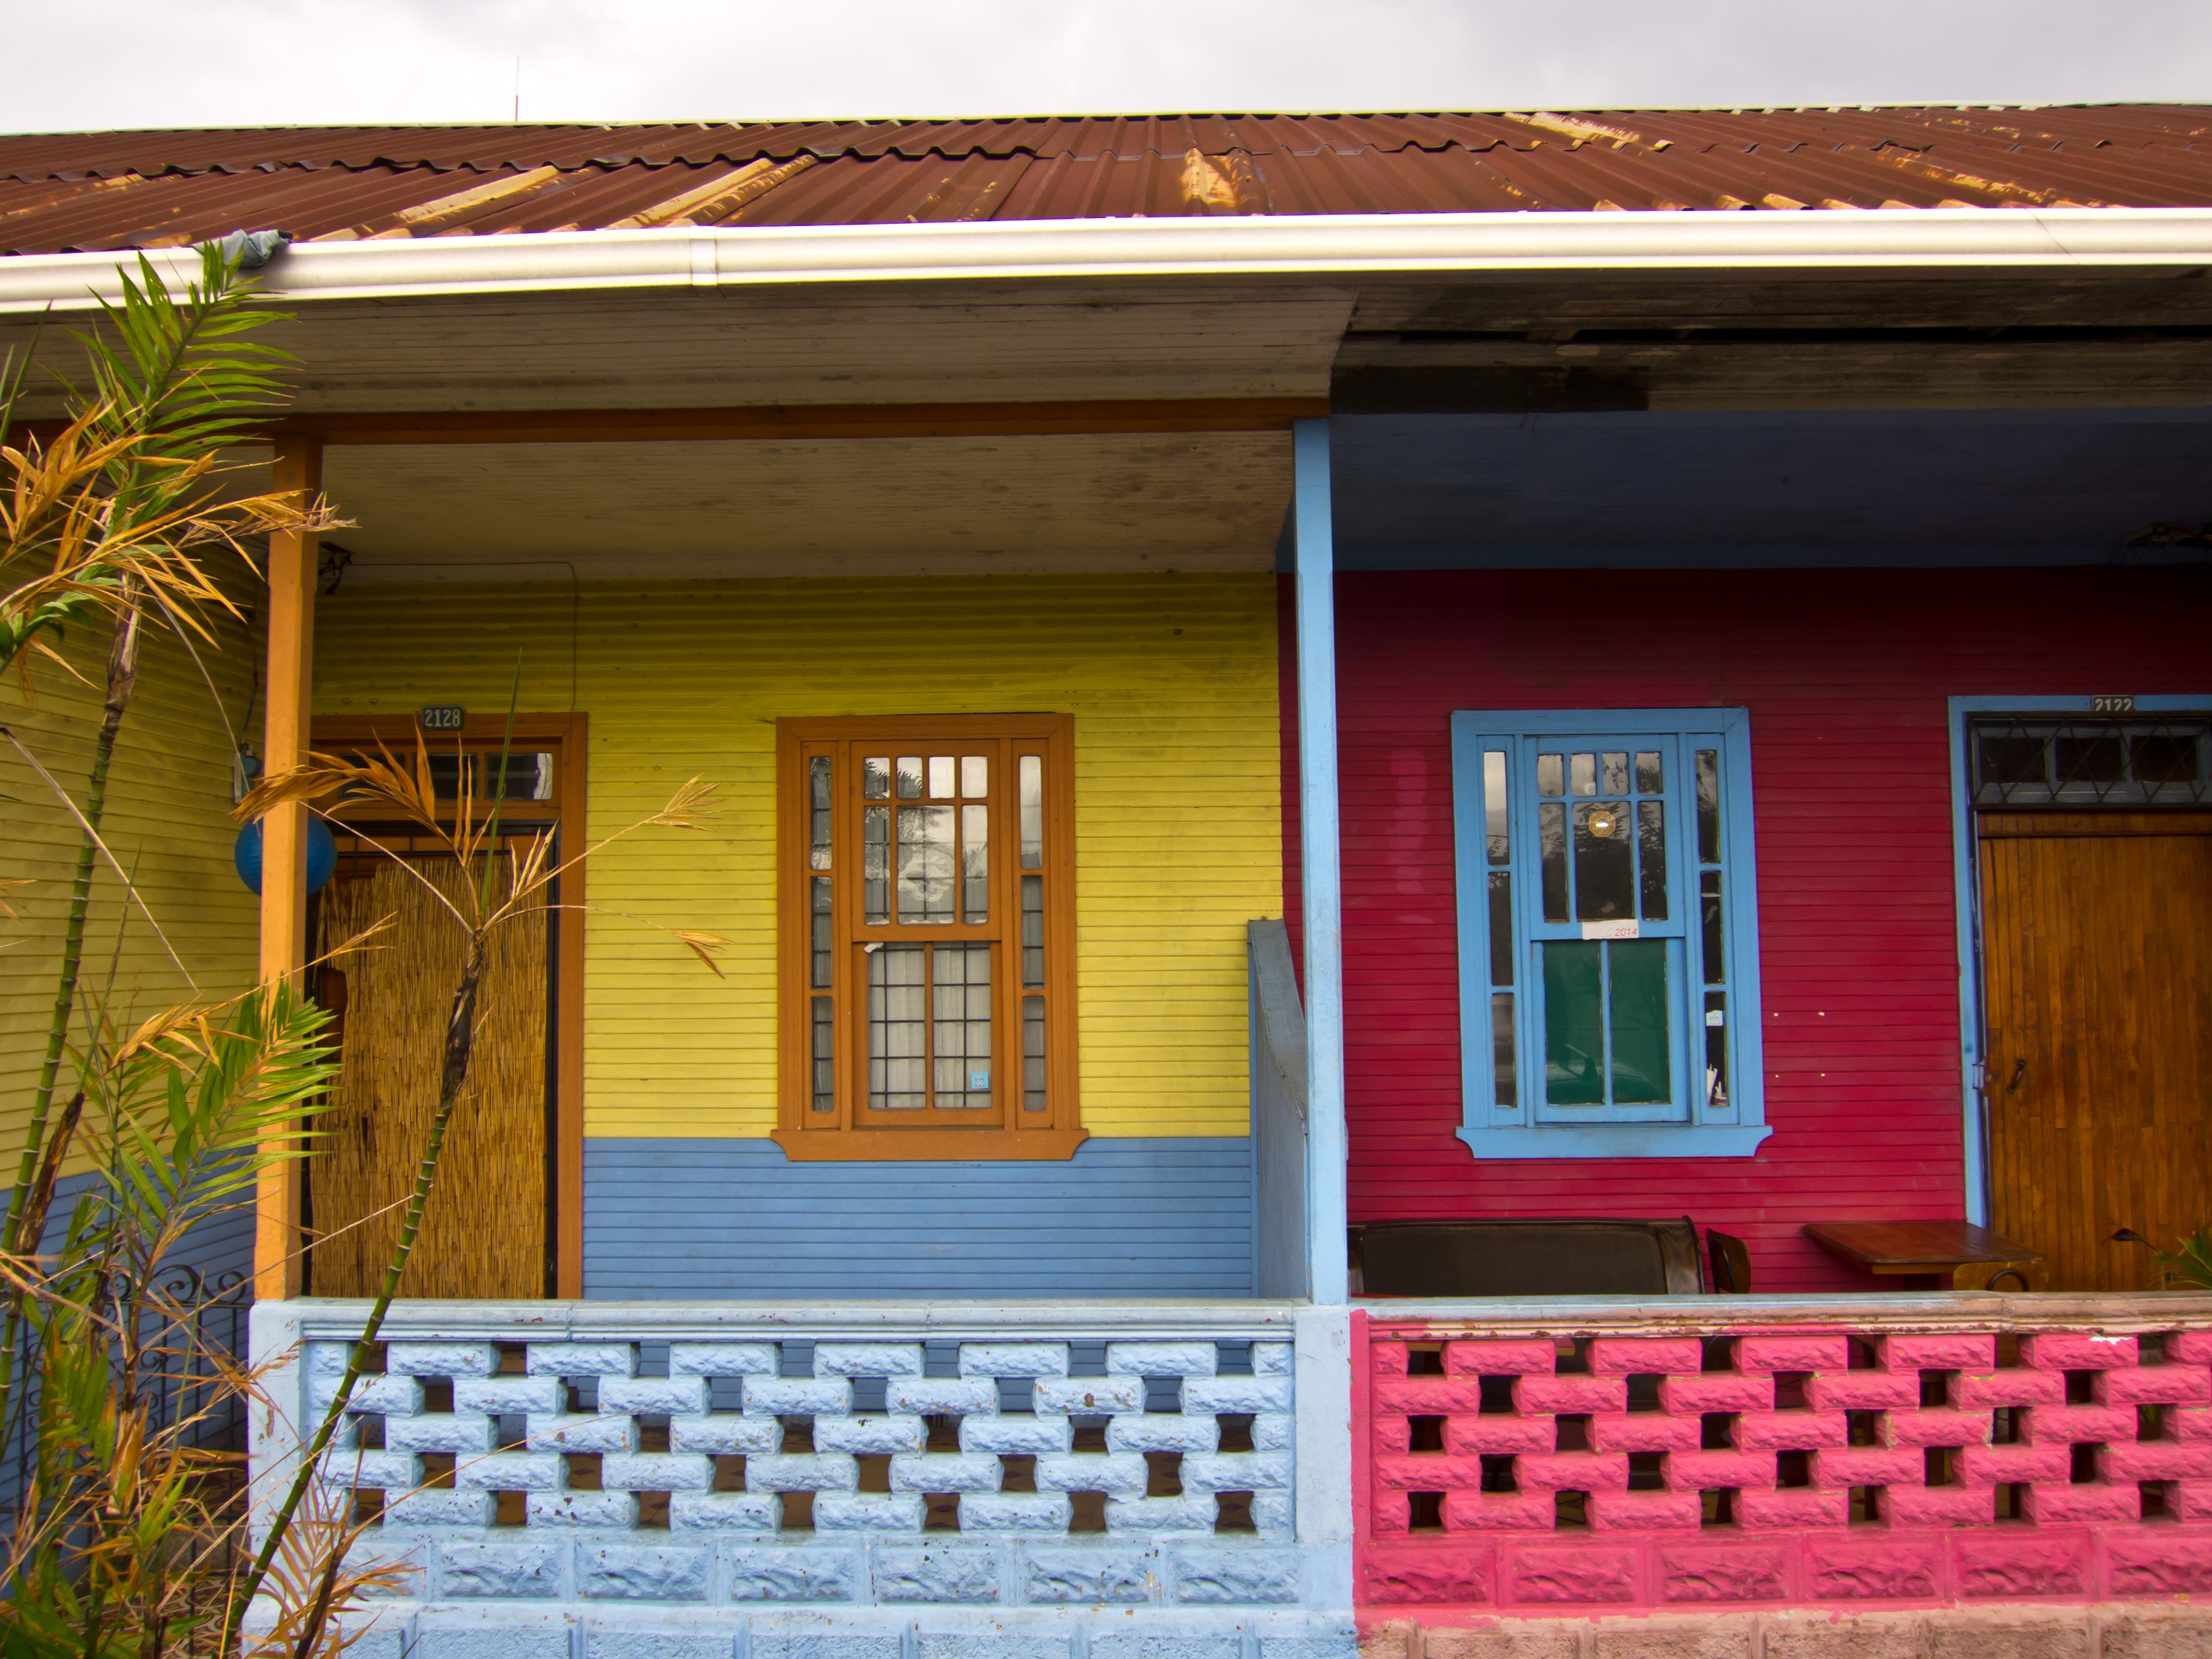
x: 928, y: 1145
x: 1619, y: 1140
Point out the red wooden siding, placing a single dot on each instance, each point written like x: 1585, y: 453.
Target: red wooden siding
x: 1845, y: 673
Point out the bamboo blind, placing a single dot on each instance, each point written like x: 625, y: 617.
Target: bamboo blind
x: 483, y: 1229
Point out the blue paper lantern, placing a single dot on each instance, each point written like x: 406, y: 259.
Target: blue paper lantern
x: 322, y: 855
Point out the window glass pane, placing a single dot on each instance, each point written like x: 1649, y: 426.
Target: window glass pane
x: 1717, y: 1094
x: 1709, y: 900
x: 446, y: 775
x: 1641, y: 1069
x: 974, y: 776
x: 1652, y: 857
x: 1651, y: 777
x: 1032, y: 791
x: 1582, y: 773
x: 527, y: 777
x: 1613, y: 769
x: 909, y: 777
x: 925, y: 864
x: 940, y: 777
x: 817, y: 812
x: 1033, y: 1083
x: 1496, y: 826
x: 2012, y: 760
x: 1605, y: 863
x: 2163, y: 758
x: 1552, y: 838
x: 975, y: 863
x: 1501, y: 1048
x: 1501, y: 927
x: 960, y: 1034
x: 821, y: 942
x: 1033, y: 930
x: 2097, y: 759
x: 1574, y: 1024
x: 825, y: 1010
x: 898, y: 1056
x: 876, y: 778
x: 875, y: 865
x: 1551, y: 777
x: 1709, y: 806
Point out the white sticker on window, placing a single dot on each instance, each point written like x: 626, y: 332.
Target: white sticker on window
x: 1715, y: 1016
x: 1628, y: 929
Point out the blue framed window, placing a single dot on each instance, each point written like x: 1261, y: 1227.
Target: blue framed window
x: 1608, y: 934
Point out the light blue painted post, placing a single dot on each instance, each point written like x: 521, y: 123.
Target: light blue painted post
x: 1320, y: 861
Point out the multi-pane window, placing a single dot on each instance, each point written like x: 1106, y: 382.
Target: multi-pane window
x: 2088, y: 761
x: 928, y: 935
x: 1608, y: 945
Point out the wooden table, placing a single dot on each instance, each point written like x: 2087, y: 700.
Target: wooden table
x: 1938, y: 1254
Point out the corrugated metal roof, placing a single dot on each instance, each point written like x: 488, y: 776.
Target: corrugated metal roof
x: 91, y: 192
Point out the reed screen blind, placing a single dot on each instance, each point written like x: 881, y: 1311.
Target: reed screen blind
x: 926, y: 922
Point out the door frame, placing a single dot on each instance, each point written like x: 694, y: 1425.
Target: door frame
x: 567, y: 735
x: 1966, y: 875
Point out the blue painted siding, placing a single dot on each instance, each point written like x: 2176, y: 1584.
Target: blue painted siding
x: 218, y: 1244
x: 670, y: 1218
x: 219, y: 1248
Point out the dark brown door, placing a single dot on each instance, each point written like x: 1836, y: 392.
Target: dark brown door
x: 2097, y: 1002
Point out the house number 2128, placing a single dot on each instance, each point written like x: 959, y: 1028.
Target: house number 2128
x: 443, y: 717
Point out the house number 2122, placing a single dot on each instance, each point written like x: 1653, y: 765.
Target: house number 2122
x: 2111, y: 705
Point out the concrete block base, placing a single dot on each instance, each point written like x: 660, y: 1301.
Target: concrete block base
x: 433, y: 1630
x: 2012, y: 1630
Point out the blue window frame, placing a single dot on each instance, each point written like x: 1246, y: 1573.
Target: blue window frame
x: 1608, y: 934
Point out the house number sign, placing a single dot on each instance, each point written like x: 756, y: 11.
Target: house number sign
x: 2111, y: 705
x: 443, y: 717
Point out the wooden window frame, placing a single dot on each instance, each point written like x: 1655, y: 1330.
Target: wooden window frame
x: 808, y: 1135
x: 568, y: 736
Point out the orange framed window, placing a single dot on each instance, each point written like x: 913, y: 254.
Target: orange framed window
x: 926, y: 920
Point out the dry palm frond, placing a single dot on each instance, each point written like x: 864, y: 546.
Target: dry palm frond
x: 10, y: 886
x: 75, y: 547
x: 315, y: 1580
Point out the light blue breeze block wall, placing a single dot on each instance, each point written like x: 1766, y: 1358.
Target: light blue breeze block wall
x: 671, y: 1218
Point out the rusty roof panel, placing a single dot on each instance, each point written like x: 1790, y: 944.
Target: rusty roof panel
x: 118, y: 190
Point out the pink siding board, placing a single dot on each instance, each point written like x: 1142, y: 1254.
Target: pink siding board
x: 1846, y: 674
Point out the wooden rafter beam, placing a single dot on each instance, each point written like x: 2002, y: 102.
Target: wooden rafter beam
x: 809, y: 422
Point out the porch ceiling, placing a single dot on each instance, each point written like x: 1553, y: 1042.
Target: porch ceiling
x: 1653, y: 488
x: 850, y: 507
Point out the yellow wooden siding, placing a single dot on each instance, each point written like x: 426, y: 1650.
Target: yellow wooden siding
x: 1171, y: 681
x: 168, y: 814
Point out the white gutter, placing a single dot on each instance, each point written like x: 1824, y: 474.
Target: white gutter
x: 1347, y: 245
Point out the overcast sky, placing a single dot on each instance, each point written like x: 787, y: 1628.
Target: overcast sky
x: 95, y: 63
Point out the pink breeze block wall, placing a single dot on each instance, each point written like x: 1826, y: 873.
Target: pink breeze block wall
x: 2096, y: 1451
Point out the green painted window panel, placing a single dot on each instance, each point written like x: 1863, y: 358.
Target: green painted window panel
x: 1642, y: 1069
x: 1574, y: 1024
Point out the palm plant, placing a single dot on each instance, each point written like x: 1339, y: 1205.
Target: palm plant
x: 109, y: 521
x: 125, y: 1524
x: 487, y: 905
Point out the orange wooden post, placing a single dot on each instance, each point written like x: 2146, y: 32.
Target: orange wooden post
x: 292, y: 577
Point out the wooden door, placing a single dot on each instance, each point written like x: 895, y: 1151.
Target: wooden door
x: 2098, y: 1003
x: 484, y: 1229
